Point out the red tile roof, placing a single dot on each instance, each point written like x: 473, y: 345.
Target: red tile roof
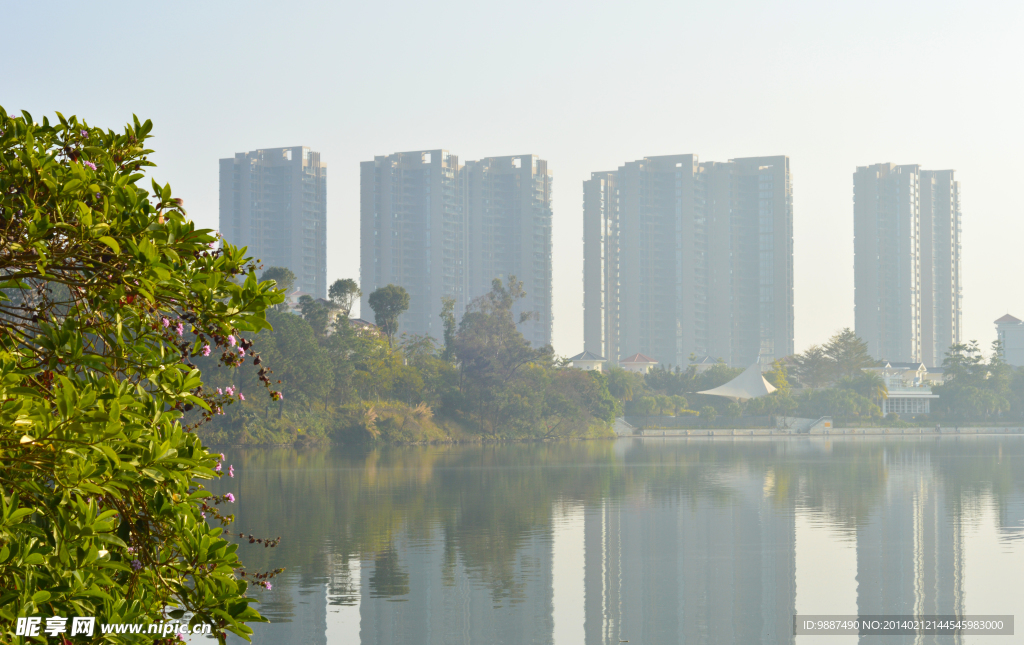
x: 638, y: 358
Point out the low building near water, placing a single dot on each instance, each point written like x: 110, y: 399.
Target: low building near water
x: 638, y: 363
x: 909, y: 388
x: 587, y: 361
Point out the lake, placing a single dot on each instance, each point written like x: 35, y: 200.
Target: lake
x: 650, y: 541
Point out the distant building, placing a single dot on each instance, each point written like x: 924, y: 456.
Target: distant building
x: 637, y: 363
x: 274, y: 201
x: 908, y: 289
x: 908, y: 388
x: 684, y: 257
x: 703, y: 364
x: 587, y: 361
x: 441, y: 229
x: 508, y: 219
x: 412, y: 234
x: 1010, y: 332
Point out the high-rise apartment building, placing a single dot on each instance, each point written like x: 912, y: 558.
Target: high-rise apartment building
x: 508, y: 218
x: 274, y: 201
x: 440, y: 229
x: 413, y: 234
x: 907, y: 282
x: 683, y: 257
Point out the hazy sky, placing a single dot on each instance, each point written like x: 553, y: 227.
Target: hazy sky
x: 585, y: 85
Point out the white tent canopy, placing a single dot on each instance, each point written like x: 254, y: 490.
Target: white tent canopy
x: 748, y: 385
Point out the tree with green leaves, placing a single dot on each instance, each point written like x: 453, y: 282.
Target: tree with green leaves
x: 108, y: 294
x: 848, y: 353
x: 814, y: 367
x: 343, y: 294
x: 388, y: 303
x: 283, y: 277
x: 316, y: 313
x: 449, y: 326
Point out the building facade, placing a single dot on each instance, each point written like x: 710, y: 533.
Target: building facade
x: 1010, y: 333
x: 440, y: 229
x: 683, y: 257
x: 908, y: 290
x: 412, y: 234
x: 508, y: 218
x: 274, y: 201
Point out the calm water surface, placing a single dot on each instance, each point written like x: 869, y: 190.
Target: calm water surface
x: 651, y: 541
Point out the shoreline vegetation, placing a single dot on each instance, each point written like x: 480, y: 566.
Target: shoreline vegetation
x: 351, y: 382
x: 345, y: 381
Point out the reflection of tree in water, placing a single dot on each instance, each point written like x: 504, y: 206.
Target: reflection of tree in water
x: 388, y: 579
x: 490, y: 502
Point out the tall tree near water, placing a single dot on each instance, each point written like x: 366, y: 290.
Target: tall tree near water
x: 388, y: 303
x: 849, y: 353
x: 343, y: 294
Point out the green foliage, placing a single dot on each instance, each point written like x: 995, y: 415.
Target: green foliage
x: 778, y: 376
x: 317, y: 313
x: 813, y: 368
x: 101, y: 485
x: 978, y: 389
x: 867, y: 384
x: 388, y: 303
x: 450, y: 327
x: 849, y: 354
x: 843, y: 356
x: 352, y: 385
x: 283, y: 277
x: 343, y: 294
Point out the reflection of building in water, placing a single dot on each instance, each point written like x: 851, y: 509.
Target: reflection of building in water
x: 910, y: 552
x: 1011, y: 519
x: 446, y: 601
x: 300, y: 618
x: 704, y: 570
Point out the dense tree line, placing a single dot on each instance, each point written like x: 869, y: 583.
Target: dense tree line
x: 830, y: 380
x: 349, y: 383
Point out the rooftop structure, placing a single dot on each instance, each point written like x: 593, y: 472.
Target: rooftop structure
x: 748, y: 385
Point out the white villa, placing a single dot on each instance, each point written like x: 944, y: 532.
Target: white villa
x: 638, y: 363
x: 587, y: 361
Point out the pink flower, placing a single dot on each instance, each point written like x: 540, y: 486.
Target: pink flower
x: 231, y: 470
x: 230, y: 390
x: 180, y: 329
x: 241, y: 352
x: 222, y: 457
x: 167, y: 323
x: 241, y: 397
x: 230, y: 498
x: 231, y: 340
x: 268, y: 585
x: 220, y: 392
x: 217, y: 468
x: 90, y: 164
x: 84, y: 133
x: 206, y: 350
